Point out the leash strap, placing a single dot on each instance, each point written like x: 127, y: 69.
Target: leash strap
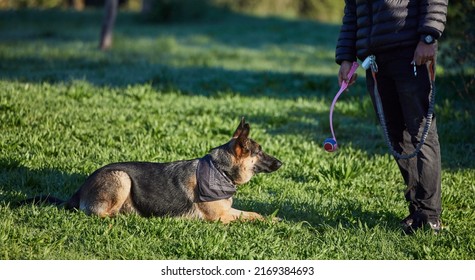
x: 379, y: 107
x: 344, y: 86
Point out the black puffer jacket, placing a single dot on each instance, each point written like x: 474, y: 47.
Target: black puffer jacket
x: 375, y: 26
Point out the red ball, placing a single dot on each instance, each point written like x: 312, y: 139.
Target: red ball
x: 330, y: 145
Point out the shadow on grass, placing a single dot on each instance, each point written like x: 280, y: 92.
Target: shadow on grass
x: 347, y: 214
x: 205, y: 81
x: 18, y: 182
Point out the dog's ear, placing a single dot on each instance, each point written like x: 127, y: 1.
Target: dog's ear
x: 240, y: 128
x: 241, y: 136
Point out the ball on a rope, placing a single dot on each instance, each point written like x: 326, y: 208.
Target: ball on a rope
x: 330, y: 145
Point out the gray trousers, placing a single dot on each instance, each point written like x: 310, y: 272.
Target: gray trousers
x: 405, y: 100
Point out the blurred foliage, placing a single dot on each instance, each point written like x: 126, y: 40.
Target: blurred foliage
x: 458, y: 46
x: 325, y: 10
x: 179, y: 10
x: 46, y: 4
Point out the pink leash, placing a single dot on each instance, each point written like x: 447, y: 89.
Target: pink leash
x: 330, y: 144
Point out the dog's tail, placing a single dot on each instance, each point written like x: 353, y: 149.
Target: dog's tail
x: 71, y: 203
x: 42, y: 199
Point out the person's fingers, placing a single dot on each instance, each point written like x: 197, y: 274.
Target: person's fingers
x: 342, y: 76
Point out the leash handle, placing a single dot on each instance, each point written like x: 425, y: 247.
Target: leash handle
x: 431, y: 68
x: 344, y: 86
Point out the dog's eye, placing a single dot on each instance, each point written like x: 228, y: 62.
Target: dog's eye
x: 256, y: 152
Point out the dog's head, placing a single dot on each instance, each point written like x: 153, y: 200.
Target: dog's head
x: 243, y: 157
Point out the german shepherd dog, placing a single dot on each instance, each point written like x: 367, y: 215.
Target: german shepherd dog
x: 199, y: 188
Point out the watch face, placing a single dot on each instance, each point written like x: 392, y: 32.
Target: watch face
x: 429, y: 39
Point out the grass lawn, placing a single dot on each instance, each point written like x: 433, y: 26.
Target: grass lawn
x: 168, y: 92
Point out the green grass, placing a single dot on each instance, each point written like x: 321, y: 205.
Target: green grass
x: 171, y: 92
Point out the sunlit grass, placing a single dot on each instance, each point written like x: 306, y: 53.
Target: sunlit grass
x: 172, y: 92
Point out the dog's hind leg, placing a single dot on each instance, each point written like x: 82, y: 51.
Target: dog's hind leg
x: 105, y: 194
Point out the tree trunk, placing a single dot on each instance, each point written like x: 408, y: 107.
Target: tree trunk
x: 110, y: 14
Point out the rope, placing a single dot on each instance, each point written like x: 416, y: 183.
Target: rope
x: 344, y: 85
x: 382, y: 119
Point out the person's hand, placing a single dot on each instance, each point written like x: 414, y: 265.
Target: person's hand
x: 424, y: 53
x: 345, y: 68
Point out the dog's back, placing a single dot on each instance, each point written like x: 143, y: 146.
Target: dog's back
x: 149, y: 189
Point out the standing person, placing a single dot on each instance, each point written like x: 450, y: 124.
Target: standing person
x: 400, y: 34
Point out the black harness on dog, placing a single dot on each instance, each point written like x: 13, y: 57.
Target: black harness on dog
x: 212, y: 184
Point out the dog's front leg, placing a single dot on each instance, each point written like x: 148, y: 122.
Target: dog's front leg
x: 244, y: 215
x: 221, y: 210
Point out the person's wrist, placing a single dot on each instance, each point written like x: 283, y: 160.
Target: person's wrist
x: 427, y: 39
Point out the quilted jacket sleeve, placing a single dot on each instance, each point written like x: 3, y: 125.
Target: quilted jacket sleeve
x: 346, y: 44
x: 433, y: 15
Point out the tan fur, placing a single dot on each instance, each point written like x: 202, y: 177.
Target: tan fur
x: 246, y: 165
x: 221, y: 210
x: 108, y: 195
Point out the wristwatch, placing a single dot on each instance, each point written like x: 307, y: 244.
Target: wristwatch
x: 428, y: 39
